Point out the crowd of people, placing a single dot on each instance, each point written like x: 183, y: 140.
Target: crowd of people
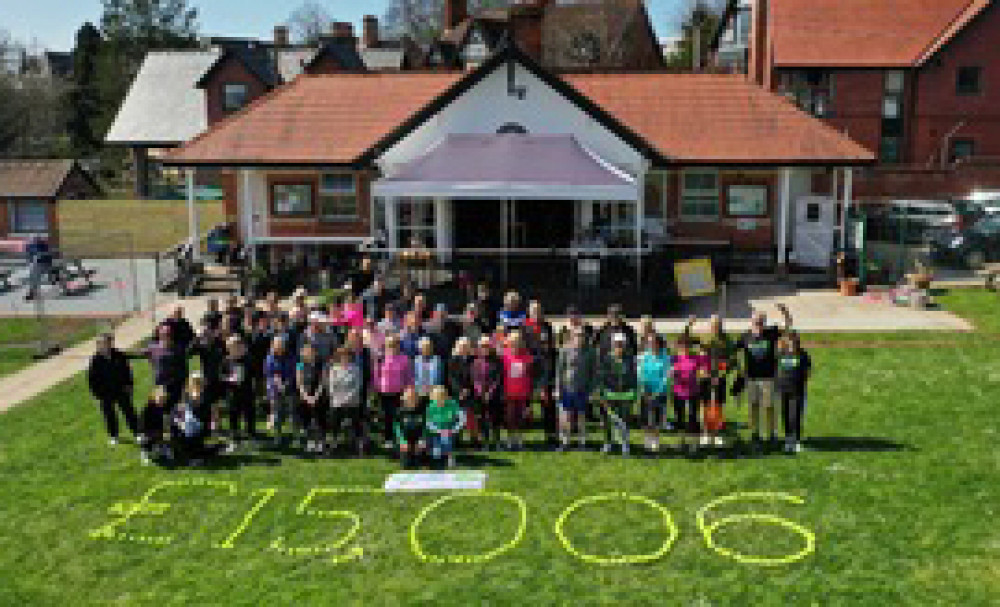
x: 389, y: 369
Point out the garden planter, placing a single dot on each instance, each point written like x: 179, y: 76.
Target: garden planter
x: 849, y: 287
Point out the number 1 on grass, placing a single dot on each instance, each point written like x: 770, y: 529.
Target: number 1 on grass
x: 266, y: 497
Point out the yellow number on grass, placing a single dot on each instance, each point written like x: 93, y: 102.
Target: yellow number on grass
x: 304, y: 509
x: 668, y: 522
x: 418, y: 549
x: 708, y: 529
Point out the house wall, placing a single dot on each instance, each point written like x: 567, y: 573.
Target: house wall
x: 761, y: 235
x: 230, y: 71
x: 488, y: 106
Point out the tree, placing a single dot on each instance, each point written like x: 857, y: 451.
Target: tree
x: 422, y: 20
x: 701, y: 17
x: 308, y: 22
x: 32, y: 105
x: 85, y: 95
x: 135, y: 27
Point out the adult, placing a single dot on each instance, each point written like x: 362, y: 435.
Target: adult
x: 575, y: 324
x: 759, y: 347
x: 212, y: 318
x: 794, y: 368
x: 181, y: 330
x: 361, y: 356
x: 39, y: 265
x: 441, y: 331
x: 210, y: 347
x: 361, y: 279
x: 487, y: 307
x: 375, y: 299
x: 320, y: 336
x: 512, y: 316
x: 170, y: 365
x: 110, y: 381
x: 615, y: 326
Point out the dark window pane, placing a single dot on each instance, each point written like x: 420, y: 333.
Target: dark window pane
x: 968, y: 80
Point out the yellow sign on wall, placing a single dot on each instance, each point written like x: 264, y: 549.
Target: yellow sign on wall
x: 694, y: 278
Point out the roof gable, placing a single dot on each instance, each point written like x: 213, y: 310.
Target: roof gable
x: 344, y: 53
x: 38, y: 178
x: 859, y: 33
x: 256, y: 60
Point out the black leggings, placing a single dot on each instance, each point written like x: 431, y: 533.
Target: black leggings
x: 389, y: 404
x: 792, y: 404
x: 686, y: 412
x: 241, y: 404
x: 123, y: 403
x: 335, y: 420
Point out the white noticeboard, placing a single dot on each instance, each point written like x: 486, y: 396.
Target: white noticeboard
x: 436, y: 481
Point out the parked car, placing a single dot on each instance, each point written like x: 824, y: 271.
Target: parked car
x: 986, y: 202
x: 973, y: 247
x: 925, y: 213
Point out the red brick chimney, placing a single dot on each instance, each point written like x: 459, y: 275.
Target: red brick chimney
x: 341, y: 29
x: 370, y: 35
x: 759, y: 55
x: 280, y: 35
x: 455, y: 12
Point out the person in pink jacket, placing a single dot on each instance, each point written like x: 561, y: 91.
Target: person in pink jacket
x: 352, y: 313
x: 517, y: 387
x: 393, y: 373
x: 688, y: 365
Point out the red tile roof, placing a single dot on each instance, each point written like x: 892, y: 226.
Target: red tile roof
x: 316, y: 119
x: 693, y: 118
x: 861, y: 33
x: 716, y: 119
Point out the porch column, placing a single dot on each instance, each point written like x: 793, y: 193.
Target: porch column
x: 848, y: 194
x: 443, y: 228
x: 784, y: 207
x: 640, y: 211
x: 392, y: 230
x: 193, y: 231
x: 246, y: 203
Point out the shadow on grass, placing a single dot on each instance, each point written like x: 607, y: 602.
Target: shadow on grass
x: 859, y: 444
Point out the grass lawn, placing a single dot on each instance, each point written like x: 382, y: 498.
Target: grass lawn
x: 19, y: 338
x: 117, y: 228
x: 900, y: 488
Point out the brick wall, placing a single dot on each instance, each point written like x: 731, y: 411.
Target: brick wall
x: 312, y: 225
x: 727, y: 228
x: 230, y: 71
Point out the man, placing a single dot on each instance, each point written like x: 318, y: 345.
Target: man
x: 170, y: 365
x: 319, y: 336
x: 110, y: 380
x: 181, y: 331
x: 362, y: 279
x: 613, y: 327
x: 40, y: 265
x: 488, y: 307
x: 210, y: 347
x: 576, y: 324
x: 375, y: 299
x: 759, y: 346
x: 442, y: 332
x: 362, y: 357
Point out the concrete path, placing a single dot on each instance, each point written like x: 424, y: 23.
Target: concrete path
x: 35, y: 380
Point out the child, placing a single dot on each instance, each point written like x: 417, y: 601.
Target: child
x: 517, y: 386
x: 574, y: 380
x: 487, y: 384
x: 151, y: 424
x: 410, y: 428
x: 187, y: 430
x: 344, y: 384
x: 428, y: 371
x: 654, y: 386
x: 542, y: 367
x: 794, y: 367
x: 512, y: 316
x: 393, y: 374
x: 444, y: 420
x: 686, y: 367
x: 617, y: 377
x: 312, y: 413
x: 461, y: 385
x: 719, y: 349
x: 279, y: 370
x: 239, y: 390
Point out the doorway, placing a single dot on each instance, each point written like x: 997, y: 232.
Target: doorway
x: 479, y: 224
x: 544, y: 224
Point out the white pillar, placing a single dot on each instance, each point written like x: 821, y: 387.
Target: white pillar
x: 848, y: 194
x: 246, y: 205
x: 194, y: 233
x: 443, y: 228
x: 784, y: 207
x: 640, y: 211
x: 391, y: 229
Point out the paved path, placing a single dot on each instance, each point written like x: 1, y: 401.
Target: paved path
x: 44, y: 375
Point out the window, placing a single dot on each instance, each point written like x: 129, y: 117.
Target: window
x: 615, y: 222
x: 962, y: 149
x: 585, y: 48
x: 338, y: 197
x: 967, y: 81
x: 292, y: 198
x: 746, y: 201
x: 416, y: 222
x: 700, y: 200
x: 29, y: 217
x: 894, y: 82
x: 812, y: 212
x: 889, y: 149
x: 234, y: 96
x: 655, y: 196
x: 811, y: 90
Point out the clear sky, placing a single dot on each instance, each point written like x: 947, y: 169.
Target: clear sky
x: 53, y: 23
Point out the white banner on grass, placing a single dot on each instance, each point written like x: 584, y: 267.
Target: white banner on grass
x: 435, y: 481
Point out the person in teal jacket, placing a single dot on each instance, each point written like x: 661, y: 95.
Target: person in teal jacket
x: 445, y: 419
x: 618, y: 389
x: 655, y: 365
x: 410, y: 428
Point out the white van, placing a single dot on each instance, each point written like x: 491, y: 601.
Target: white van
x: 988, y: 201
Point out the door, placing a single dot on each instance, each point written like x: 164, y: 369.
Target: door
x: 544, y: 224
x: 478, y: 224
x: 815, y: 221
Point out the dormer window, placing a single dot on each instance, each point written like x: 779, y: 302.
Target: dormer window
x: 234, y: 97
x: 476, y: 51
x: 586, y: 48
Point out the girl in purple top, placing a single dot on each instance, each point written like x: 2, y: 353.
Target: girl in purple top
x: 393, y: 373
x: 685, y: 371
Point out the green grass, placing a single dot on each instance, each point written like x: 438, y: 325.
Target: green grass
x: 19, y: 338
x: 900, y: 486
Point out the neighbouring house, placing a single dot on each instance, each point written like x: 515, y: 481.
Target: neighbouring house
x: 915, y: 81
x: 587, y: 34
x: 30, y: 190
x: 513, y: 159
x: 178, y: 94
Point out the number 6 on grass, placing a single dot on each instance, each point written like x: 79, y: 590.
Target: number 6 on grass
x: 708, y: 529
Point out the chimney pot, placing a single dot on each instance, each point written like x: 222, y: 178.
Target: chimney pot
x: 370, y: 34
x: 342, y: 29
x: 280, y: 35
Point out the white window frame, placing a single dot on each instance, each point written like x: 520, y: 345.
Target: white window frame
x: 225, y: 96
x: 13, y: 216
x: 427, y: 234
x: 337, y: 193
x: 702, y: 194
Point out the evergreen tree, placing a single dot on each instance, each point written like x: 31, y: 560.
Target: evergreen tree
x: 85, y: 95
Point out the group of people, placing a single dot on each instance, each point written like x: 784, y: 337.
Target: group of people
x: 387, y: 367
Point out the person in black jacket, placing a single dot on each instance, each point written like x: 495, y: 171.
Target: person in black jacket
x: 169, y: 360
x: 110, y: 380
x: 793, y: 368
x: 181, y: 330
x: 210, y: 346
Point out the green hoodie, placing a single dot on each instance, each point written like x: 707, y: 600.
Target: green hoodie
x: 446, y: 416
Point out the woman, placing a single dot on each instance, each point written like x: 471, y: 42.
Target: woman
x: 239, y: 391
x: 654, y: 387
x: 794, y: 367
x: 713, y: 388
x: 517, y: 387
x: 687, y: 365
x: 487, y: 383
x: 345, y: 381
x: 393, y: 375
x: 461, y: 386
x: 312, y: 412
x: 428, y: 370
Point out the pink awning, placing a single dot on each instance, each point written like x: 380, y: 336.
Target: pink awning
x: 517, y: 166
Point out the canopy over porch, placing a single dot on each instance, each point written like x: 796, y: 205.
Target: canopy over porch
x: 510, y: 166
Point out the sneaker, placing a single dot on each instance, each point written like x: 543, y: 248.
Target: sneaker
x: 720, y: 442
x: 654, y: 446
x: 582, y: 443
x: 625, y: 450
x: 451, y: 461
x: 606, y: 448
x: 387, y: 445
x: 113, y: 441
x: 232, y: 447
x: 797, y: 447
x: 705, y: 441
x: 197, y: 463
x: 145, y: 458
